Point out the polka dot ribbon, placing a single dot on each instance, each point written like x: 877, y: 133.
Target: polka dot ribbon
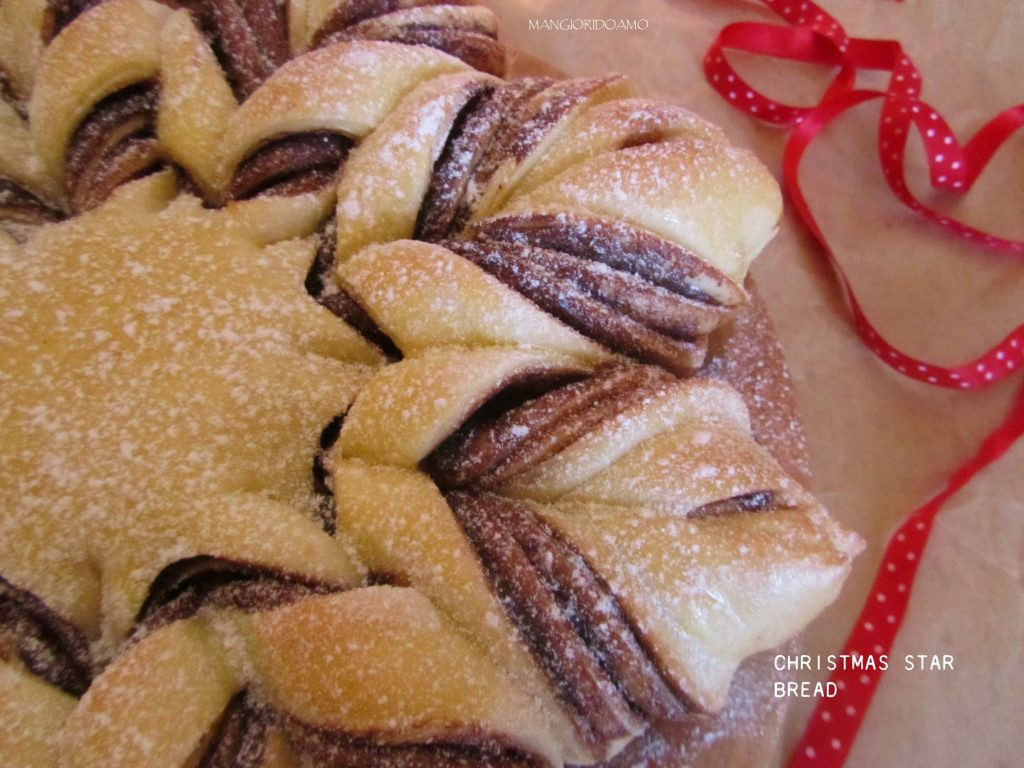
x: 818, y: 38
x: 814, y: 36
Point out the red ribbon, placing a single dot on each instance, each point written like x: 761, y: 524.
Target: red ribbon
x: 816, y: 37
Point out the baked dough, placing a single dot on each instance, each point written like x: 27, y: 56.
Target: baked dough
x: 235, y: 531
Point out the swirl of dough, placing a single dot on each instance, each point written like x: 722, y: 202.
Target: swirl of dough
x: 375, y: 675
x: 620, y: 517
x: 532, y: 539
x: 554, y: 192
x: 161, y: 83
x: 629, y: 221
x: 93, y: 126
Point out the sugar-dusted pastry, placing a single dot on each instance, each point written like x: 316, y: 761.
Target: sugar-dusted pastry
x: 141, y: 343
x: 586, y: 253
x: 405, y: 141
x: 617, y: 521
x: 28, y: 194
x: 465, y: 31
x: 160, y: 85
x: 372, y: 676
x: 347, y: 413
x: 32, y: 711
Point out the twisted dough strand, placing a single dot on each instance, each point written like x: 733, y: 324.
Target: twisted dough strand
x: 200, y: 65
x: 641, y: 492
x: 580, y: 539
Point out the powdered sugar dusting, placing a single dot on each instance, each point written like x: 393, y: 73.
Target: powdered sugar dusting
x: 167, y: 359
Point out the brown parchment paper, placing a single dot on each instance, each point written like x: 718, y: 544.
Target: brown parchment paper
x: 880, y: 444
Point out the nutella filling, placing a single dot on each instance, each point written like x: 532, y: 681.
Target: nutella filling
x: 522, y: 102
x: 327, y: 507
x: 325, y: 748
x: 549, y: 108
x: 445, y: 208
x: 651, y: 305
x: 622, y: 247
x: 249, y: 38
x: 184, y: 587
x: 524, y: 269
x: 114, y: 144
x: 569, y: 616
x: 755, y: 501
x: 600, y: 711
x: 597, y: 617
x: 19, y: 205
x: 501, y: 441
x: 321, y: 286
x: 45, y: 643
x: 291, y: 165
x: 346, y: 14
x: 474, y: 44
x: 8, y: 93
x: 239, y: 739
x: 475, y: 47
x: 60, y: 13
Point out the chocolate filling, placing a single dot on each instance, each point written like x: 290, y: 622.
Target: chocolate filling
x: 8, y: 93
x: 597, y: 617
x: 185, y: 586
x: 326, y: 503
x: 515, y: 430
x: 368, y: 20
x: 524, y: 269
x: 476, y: 47
x: 291, y: 165
x: 19, y: 205
x: 114, y: 144
x: 60, y: 13
x: 339, y: 750
x: 599, y: 709
x: 524, y: 100
x: 550, y: 108
x: 346, y: 14
x: 755, y: 501
x: 445, y: 209
x: 353, y: 12
x: 321, y: 285
x: 239, y: 738
x: 650, y: 305
x: 48, y: 645
x: 249, y: 38
x: 622, y: 247
x: 550, y: 592
x: 451, y: 169
x: 507, y: 122
x: 501, y: 441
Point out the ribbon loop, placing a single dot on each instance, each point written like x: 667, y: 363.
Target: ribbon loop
x: 790, y: 43
x: 818, y: 38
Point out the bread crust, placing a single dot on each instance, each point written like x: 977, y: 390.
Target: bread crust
x: 223, y: 496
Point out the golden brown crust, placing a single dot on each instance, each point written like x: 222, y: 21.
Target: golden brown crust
x: 397, y: 674
x: 617, y: 493
x: 138, y: 427
x: 733, y: 201
x: 171, y: 376
x: 30, y: 711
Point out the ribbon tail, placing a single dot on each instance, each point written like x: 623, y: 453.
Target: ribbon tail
x: 833, y: 727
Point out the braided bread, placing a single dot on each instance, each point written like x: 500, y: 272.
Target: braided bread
x: 348, y: 411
